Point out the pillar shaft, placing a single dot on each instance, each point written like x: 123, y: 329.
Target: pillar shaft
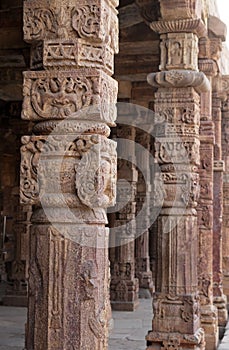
x: 124, y: 284
x: 143, y: 272
x: 219, y: 297
x: 176, y: 322
x: 68, y: 170
x: 225, y: 157
x: 208, y: 312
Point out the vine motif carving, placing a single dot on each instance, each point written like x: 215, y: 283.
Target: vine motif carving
x: 42, y: 23
x: 96, y: 174
x: 29, y: 186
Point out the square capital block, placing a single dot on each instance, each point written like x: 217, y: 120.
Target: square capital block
x: 95, y: 21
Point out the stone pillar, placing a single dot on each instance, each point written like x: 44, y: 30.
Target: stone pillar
x: 142, y: 261
x: 176, y: 322
x: 219, y: 297
x: 208, y: 312
x: 69, y: 176
x: 225, y: 157
x: 124, y: 285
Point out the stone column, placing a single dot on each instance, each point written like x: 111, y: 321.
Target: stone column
x: 208, y: 312
x: 124, y: 285
x: 176, y: 322
x: 69, y: 176
x: 219, y: 297
x: 142, y: 261
x: 225, y: 157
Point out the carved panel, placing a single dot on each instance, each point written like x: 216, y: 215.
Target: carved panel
x: 95, y: 170
x: 96, y: 174
x: 177, y: 151
x: 179, y: 51
x: 58, y: 95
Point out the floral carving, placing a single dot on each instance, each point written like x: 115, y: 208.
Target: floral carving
x: 38, y: 22
x: 86, y: 21
x: 44, y: 23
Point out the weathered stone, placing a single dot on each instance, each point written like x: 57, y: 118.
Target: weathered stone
x: 70, y: 175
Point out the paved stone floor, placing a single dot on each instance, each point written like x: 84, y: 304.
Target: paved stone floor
x: 128, y: 333
x: 130, y: 328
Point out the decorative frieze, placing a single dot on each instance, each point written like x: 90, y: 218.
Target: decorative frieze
x: 68, y: 54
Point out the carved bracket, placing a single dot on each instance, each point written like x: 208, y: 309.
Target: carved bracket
x: 180, y: 78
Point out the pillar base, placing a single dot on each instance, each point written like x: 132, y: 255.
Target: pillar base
x: 162, y: 341
x: 145, y: 284
x: 209, y: 323
x: 124, y: 294
x: 124, y: 305
x: 221, y: 303
x: 15, y: 300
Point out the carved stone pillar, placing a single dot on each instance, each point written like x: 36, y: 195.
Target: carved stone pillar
x: 69, y: 176
x: 142, y: 261
x: 225, y: 157
x: 124, y: 285
x: 176, y: 322
x: 208, y: 312
x: 219, y: 297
